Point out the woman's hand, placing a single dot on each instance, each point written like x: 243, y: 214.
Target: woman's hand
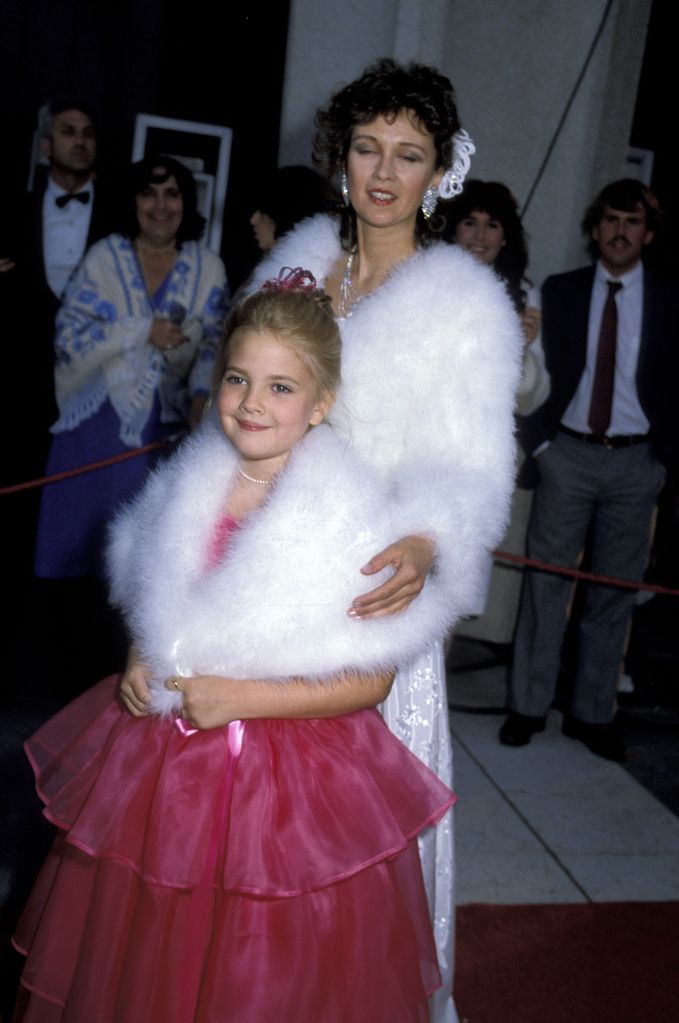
x: 412, y: 557
x: 166, y: 335
x: 530, y: 324
x: 134, y: 690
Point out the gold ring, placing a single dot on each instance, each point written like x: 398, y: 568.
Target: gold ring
x: 175, y: 683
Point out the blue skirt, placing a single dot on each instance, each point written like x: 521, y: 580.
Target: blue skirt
x: 74, y: 513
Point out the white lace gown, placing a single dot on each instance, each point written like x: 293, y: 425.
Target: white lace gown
x: 416, y: 710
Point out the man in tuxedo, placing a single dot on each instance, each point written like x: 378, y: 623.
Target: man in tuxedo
x: 602, y: 442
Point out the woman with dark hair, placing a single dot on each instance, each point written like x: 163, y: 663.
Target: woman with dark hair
x: 288, y: 195
x: 135, y: 343
x: 484, y: 219
x: 430, y: 360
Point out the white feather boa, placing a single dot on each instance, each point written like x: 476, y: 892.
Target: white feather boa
x: 277, y: 605
x: 430, y: 365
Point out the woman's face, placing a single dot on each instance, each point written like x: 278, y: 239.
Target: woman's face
x: 390, y: 165
x: 481, y: 235
x: 264, y: 230
x: 160, y: 209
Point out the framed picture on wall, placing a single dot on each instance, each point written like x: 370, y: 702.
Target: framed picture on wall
x: 204, y: 148
x: 640, y: 162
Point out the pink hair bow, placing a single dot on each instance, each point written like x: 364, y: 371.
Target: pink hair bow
x: 288, y: 279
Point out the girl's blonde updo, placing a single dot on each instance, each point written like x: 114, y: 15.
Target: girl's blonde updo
x: 301, y: 318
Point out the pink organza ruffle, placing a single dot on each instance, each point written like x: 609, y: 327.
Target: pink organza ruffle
x: 191, y: 885
x: 313, y: 801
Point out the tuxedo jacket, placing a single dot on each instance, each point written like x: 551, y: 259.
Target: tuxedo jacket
x: 565, y: 316
x: 30, y: 256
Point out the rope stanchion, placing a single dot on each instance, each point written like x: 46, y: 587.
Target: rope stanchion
x: 80, y: 470
x: 576, y: 573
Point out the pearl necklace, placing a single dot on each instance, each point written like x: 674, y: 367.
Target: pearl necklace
x: 253, y: 479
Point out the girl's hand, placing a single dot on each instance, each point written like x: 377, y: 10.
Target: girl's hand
x: 412, y: 557
x: 211, y: 701
x: 165, y: 335
x: 134, y: 690
x: 207, y: 700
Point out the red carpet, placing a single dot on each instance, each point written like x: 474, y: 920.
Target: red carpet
x: 603, y: 963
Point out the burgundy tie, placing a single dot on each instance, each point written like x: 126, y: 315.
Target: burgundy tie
x: 604, y: 371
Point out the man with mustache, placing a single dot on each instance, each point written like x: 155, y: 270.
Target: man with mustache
x: 602, y: 442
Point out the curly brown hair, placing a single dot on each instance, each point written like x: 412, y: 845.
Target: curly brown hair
x: 384, y: 89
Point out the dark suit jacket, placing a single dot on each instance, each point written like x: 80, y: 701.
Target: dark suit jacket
x: 565, y: 315
x: 28, y: 242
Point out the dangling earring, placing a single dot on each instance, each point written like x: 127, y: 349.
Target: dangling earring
x: 344, y: 188
x: 429, y: 200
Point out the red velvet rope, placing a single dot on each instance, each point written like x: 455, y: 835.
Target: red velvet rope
x: 81, y: 469
x: 592, y: 577
x: 518, y: 559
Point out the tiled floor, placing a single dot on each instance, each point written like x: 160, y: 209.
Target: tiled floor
x: 550, y: 822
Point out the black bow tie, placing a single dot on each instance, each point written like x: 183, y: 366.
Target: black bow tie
x: 64, y: 200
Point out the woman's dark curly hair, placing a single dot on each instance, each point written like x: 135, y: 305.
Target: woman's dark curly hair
x: 155, y: 170
x: 497, y: 201
x: 384, y: 89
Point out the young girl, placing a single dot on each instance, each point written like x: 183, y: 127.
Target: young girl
x: 238, y: 826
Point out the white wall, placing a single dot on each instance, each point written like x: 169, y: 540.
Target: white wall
x: 513, y: 64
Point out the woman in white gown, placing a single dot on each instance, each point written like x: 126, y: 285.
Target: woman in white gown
x: 431, y: 352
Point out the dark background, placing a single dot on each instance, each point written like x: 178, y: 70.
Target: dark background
x: 155, y: 57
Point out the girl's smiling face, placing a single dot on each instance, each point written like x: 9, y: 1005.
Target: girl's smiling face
x: 267, y: 400
x: 390, y: 165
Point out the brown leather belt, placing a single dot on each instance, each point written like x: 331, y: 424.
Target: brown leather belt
x: 622, y: 441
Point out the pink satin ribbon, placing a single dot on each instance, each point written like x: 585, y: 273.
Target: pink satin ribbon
x: 201, y: 910
x: 184, y: 728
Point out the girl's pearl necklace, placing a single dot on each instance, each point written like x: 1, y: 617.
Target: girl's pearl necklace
x: 253, y: 479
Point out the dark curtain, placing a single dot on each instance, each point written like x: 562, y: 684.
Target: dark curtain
x: 151, y: 56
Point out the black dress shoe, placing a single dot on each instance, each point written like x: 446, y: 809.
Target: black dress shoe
x: 519, y: 729
x: 600, y: 739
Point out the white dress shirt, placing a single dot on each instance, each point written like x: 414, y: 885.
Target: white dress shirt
x: 627, y: 416
x: 64, y: 234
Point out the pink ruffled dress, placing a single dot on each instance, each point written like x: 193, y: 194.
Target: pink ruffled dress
x: 264, y: 871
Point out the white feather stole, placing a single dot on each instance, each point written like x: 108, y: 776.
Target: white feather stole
x: 276, y: 607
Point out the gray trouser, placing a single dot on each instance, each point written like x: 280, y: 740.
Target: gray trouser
x: 613, y: 493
